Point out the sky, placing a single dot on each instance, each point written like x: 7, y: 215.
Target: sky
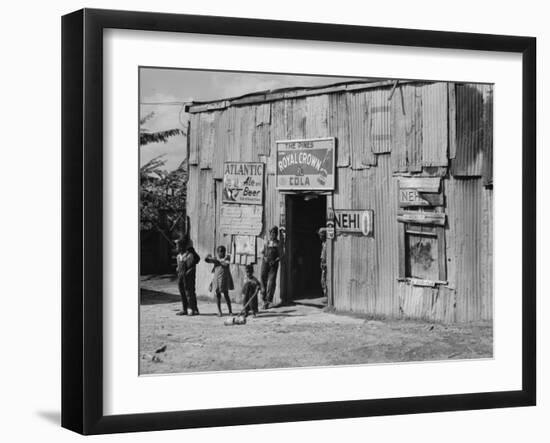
x: 159, y: 85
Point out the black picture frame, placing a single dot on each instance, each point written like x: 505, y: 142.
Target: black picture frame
x: 82, y: 215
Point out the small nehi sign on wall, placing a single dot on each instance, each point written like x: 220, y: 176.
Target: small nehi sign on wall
x: 352, y: 221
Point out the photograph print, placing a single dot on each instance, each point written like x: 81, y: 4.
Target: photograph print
x: 295, y: 221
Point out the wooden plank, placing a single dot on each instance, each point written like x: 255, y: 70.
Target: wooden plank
x: 411, y: 197
x: 249, y: 100
x: 207, y: 107
x: 425, y: 218
x: 421, y: 184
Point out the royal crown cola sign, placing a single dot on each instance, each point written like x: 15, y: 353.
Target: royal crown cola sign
x: 305, y: 165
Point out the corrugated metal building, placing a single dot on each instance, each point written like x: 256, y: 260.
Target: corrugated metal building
x: 417, y: 155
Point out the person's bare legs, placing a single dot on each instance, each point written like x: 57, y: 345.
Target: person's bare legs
x: 228, y: 301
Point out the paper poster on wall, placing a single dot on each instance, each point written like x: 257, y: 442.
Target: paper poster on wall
x: 305, y: 165
x: 241, y: 219
x: 244, y: 249
x: 243, y: 183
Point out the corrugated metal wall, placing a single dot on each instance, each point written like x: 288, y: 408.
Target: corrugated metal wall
x: 377, y: 140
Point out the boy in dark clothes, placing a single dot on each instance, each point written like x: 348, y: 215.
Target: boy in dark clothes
x: 251, y: 288
x: 187, y: 260
x: 270, y: 265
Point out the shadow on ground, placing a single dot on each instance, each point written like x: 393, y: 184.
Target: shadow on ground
x: 53, y: 417
x: 147, y: 297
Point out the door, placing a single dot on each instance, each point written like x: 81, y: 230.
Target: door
x: 306, y: 214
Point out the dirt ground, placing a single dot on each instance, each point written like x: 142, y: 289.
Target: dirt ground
x: 291, y: 336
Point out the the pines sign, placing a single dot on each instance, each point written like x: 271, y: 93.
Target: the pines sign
x: 305, y: 165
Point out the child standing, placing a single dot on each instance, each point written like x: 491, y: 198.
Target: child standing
x: 270, y: 265
x: 222, y: 281
x: 251, y: 288
x: 187, y: 260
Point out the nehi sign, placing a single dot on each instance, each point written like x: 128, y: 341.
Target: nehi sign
x: 243, y: 183
x: 306, y: 165
x: 352, y: 221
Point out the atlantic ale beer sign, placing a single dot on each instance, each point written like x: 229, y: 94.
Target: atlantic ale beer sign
x: 243, y: 183
x: 305, y: 165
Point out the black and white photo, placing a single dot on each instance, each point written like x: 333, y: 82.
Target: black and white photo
x: 294, y: 221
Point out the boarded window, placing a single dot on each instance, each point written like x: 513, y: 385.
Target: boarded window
x: 422, y: 259
x: 422, y: 252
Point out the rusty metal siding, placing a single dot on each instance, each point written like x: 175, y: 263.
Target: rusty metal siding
x: 278, y: 132
x: 194, y: 124
x: 342, y: 244
x: 193, y: 198
x: 488, y: 134
x: 418, y: 138
x: 365, y: 269
x: 339, y: 127
x: 406, y: 113
x: 207, y: 140
x: 361, y: 155
x: 262, y: 131
x: 233, y: 153
x: 221, y: 140
x: 296, y: 114
x: 469, y: 247
x: 434, y: 124
x: 202, y: 225
x: 487, y: 254
x: 427, y: 303
x: 468, y: 161
x: 379, y: 115
x: 317, y: 116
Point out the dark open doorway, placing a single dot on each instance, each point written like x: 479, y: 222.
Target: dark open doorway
x: 306, y: 214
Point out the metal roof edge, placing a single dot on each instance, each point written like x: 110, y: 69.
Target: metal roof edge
x: 289, y: 93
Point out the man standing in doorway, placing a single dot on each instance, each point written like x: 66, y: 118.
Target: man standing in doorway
x: 323, y: 237
x: 270, y: 266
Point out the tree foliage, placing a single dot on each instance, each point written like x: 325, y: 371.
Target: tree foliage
x: 162, y: 194
x: 157, y: 137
